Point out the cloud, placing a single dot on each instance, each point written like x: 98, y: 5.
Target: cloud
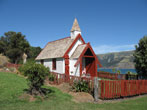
x: 113, y: 48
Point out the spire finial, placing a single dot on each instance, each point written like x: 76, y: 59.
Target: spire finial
x: 75, y: 26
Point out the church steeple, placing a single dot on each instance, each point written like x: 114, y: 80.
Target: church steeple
x: 75, y: 30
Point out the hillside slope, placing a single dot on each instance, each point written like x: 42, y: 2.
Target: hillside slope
x: 123, y: 60
x: 3, y: 60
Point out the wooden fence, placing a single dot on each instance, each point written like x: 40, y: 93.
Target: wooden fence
x: 122, y: 88
x: 108, y: 89
x: 10, y: 65
x: 116, y: 76
x: 112, y: 76
x: 60, y: 78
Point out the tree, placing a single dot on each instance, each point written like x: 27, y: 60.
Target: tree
x: 34, y: 51
x: 140, y: 57
x: 13, y: 45
x: 36, y: 74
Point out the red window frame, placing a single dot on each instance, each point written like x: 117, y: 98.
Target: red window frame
x: 54, y: 64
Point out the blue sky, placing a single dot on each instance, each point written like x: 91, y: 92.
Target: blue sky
x: 109, y: 25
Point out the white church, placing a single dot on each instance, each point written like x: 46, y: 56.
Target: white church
x: 70, y: 55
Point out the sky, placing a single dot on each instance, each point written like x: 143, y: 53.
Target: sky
x: 109, y: 25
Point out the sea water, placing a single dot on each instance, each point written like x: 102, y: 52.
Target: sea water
x: 122, y: 71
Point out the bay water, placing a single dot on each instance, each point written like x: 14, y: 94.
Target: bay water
x: 122, y: 71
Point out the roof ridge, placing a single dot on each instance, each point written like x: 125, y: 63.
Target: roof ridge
x: 77, y: 48
x: 58, y: 39
x: 77, y: 37
x: 82, y: 44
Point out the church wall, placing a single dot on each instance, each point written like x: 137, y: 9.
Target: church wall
x: 75, y: 71
x: 60, y: 65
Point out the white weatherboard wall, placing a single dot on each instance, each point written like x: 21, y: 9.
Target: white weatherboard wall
x: 75, y: 71
x: 60, y: 65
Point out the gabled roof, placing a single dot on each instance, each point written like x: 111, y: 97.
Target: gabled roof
x: 55, y: 49
x: 73, y: 43
x: 59, y: 48
x: 87, y: 46
x: 78, y: 51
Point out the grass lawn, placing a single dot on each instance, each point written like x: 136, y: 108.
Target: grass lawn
x: 12, y: 86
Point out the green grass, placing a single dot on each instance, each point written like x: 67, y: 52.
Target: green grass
x: 12, y: 86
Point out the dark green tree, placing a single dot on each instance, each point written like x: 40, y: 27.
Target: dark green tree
x: 13, y: 45
x: 140, y: 57
x: 34, y: 51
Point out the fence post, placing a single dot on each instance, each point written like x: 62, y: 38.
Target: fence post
x: 95, y: 89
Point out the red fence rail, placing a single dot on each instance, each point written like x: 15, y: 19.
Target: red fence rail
x: 60, y: 78
x: 115, y: 76
x: 122, y: 88
x: 108, y: 89
x: 10, y: 65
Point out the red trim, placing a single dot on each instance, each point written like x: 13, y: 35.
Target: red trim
x: 95, y: 68
x: 94, y: 55
x: 77, y: 62
x: 80, y: 66
x: 90, y: 66
x: 66, y: 64
x: 68, y: 50
x: 88, y: 56
x: 78, y: 37
x: 82, y: 55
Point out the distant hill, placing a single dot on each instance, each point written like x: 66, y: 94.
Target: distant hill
x: 123, y: 60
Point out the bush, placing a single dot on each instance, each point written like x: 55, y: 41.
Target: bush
x: 13, y: 69
x: 118, y: 71
x: 25, y: 66
x: 36, y: 74
x: 131, y: 73
x: 81, y: 86
x: 51, y: 77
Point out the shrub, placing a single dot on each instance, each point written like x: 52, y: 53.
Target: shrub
x: 118, y: 71
x: 36, y: 74
x: 25, y: 66
x: 12, y: 69
x: 129, y: 72
x: 51, y: 77
x: 81, y: 86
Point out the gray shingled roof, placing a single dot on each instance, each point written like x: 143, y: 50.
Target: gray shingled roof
x: 78, y: 51
x: 55, y: 49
